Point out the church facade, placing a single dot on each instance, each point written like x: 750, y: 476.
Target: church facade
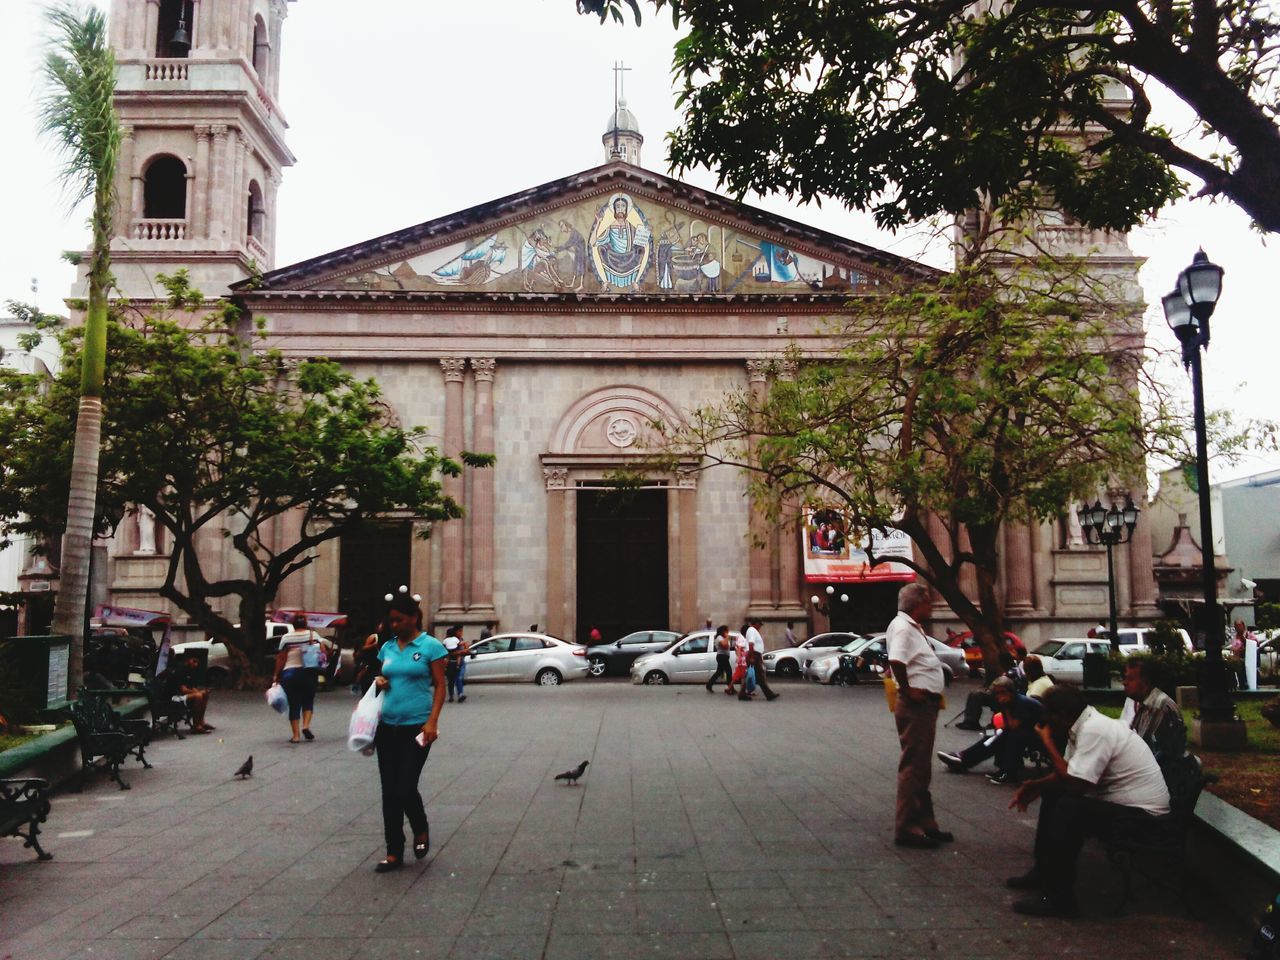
x: 551, y: 327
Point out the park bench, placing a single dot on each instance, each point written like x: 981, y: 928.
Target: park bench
x: 106, y: 740
x: 165, y: 711
x: 24, y: 805
x: 1161, y: 840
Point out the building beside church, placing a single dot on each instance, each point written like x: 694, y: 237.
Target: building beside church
x: 550, y: 327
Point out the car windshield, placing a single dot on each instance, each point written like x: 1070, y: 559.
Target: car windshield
x: 1048, y: 648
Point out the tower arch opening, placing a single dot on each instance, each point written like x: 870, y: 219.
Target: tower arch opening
x: 257, y: 213
x: 164, y: 189
x: 260, y: 55
x: 173, y: 29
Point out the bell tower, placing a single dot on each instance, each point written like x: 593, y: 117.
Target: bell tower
x: 203, y: 144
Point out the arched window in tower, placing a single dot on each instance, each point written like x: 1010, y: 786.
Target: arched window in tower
x: 164, y: 189
x: 257, y: 218
x: 174, y: 26
x: 261, y: 48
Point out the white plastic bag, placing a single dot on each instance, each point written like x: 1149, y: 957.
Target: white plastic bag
x: 364, y: 720
x: 277, y: 700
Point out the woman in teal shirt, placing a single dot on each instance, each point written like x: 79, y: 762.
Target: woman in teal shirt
x: 411, y: 678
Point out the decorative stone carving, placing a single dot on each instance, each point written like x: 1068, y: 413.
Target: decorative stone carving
x: 757, y: 371
x: 202, y: 131
x: 687, y: 480
x: 787, y: 369
x: 453, y: 367
x: 219, y: 131
x: 556, y: 478
x: 146, y: 531
x: 483, y: 368
x: 622, y: 431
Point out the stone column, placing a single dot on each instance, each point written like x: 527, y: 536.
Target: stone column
x: 124, y: 183
x: 151, y: 31
x: 218, y: 184
x: 1018, y: 573
x: 790, y: 599
x: 199, y: 30
x: 482, y: 486
x: 272, y: 203
x: 758, y: 553
x: 420, y: 566
x: 451, y: 533
x: 239, y: 190
x: 682, y: 540
x: 1142, y: 577
x: 198, y: 215
x: 561, y: 512
x: 279, y: 10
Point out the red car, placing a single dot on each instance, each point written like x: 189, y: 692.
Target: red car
x: 973, y: 652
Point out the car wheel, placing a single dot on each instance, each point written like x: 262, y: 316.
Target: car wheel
x: 548, y: 677
x: 655, y: 678
x: 787, y: 668
x: 841, y: 678
x: 946, y: 675
x: 595, y: 666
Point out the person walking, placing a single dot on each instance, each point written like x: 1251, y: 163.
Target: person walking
x: 456, y: 666
x: 411, y: 678
x: 723, y: 664
x: 755, y: 657
x: 919, y: 677
x: 302, y: 652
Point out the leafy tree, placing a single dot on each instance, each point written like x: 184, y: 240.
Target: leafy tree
x: 946, y: 410
x: 77, y: 113
x: 218, y: 436
x: 909, y: 108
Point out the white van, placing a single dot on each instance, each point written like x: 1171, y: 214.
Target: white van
x: 1134, y: 639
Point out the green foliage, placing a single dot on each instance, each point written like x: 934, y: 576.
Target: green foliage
x: 909, y: 108
x: 1267, y: 616
x: 211, y: 430
x: 947, y: 409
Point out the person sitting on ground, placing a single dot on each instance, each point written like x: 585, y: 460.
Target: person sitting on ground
x: 179, y: 685
x: 1037, y: 680
x: 1009, y: 744
x: 976, y: 701
x: 1105, y: 776
x: 1151, y: 713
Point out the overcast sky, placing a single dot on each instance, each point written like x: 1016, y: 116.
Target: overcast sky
x: 402, y: 111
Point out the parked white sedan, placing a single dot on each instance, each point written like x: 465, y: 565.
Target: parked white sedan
x: 1063, y: 660
x: 691, y: 659
x: 526, y: 657
x: 791, y: 661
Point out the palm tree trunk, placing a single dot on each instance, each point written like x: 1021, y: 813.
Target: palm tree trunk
x: 73, y: 586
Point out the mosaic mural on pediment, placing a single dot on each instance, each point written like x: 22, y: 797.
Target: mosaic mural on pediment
x: 621, y: 244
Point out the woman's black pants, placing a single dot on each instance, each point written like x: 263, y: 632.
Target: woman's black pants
x: 400, y: 761
x: 722, y: 669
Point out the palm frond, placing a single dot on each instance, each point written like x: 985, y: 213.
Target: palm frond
x: 77, y: 112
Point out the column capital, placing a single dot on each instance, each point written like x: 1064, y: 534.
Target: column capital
x: 219, y: 131
x: 687, y: 480
x: 787, y: 369
x: 280, y: 9
x: 126, y: 131
x: 758, y: 371
x: 202, y: 131
x: 556, y: 478
x: 483, y: 368
x: 453, y: 368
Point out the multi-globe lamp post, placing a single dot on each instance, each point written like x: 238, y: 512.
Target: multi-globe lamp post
x: 1187, y: 310
x: 1109, y: 527
x: 824, y: 606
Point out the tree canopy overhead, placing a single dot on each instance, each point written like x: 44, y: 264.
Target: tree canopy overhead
x: 219, y: 438
x: 909, y: 108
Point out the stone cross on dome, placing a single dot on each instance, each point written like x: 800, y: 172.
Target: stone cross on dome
x: 622, y: 139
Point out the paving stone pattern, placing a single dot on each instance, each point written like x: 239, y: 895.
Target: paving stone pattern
x: 704, y: 828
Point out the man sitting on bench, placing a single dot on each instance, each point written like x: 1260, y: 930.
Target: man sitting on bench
x: 1107, y: 773
x: 1009, y: 744
x: 179, y: 685
x: 1152, y: 713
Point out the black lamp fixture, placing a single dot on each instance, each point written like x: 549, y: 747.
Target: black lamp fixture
x: 1187, y: 311
x: 824, y: 606
x: 1108, y: 527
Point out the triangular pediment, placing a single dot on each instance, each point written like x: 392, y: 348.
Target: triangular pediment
x: 614, y: 230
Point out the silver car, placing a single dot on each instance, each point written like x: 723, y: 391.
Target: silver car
x: 524, y: 657
x: 691, y: 659
x: 825, y: 668
x: 791, y: 661
x: 1063, y: 660
x: 617, y: 657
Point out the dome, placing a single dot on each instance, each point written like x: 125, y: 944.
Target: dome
x: 623, y: 121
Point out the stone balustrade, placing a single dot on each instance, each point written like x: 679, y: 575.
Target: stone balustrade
x: 167, y: 70
x: 156, y: 228
x: 257, y: 251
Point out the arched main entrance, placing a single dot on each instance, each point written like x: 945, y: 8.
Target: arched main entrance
x: 618, y: 560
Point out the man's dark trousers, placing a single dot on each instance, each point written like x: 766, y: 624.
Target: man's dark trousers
x: 1065, y: 823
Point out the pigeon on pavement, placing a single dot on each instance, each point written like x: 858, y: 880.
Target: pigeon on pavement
x: 571, y: 776
x: 246, y: 768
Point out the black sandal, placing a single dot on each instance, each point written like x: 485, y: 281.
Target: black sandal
x: 308, y: 734
x: 420, y: 847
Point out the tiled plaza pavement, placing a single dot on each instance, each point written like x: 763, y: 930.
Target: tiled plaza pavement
x: 704, y: 828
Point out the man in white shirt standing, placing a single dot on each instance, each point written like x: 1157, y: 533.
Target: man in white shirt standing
x: 920, y: 683
x: 1106, y: 776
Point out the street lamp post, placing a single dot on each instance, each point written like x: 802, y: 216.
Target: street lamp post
x: 1187, y: 311
x: 824, y: 606
x: 1109, y: 527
